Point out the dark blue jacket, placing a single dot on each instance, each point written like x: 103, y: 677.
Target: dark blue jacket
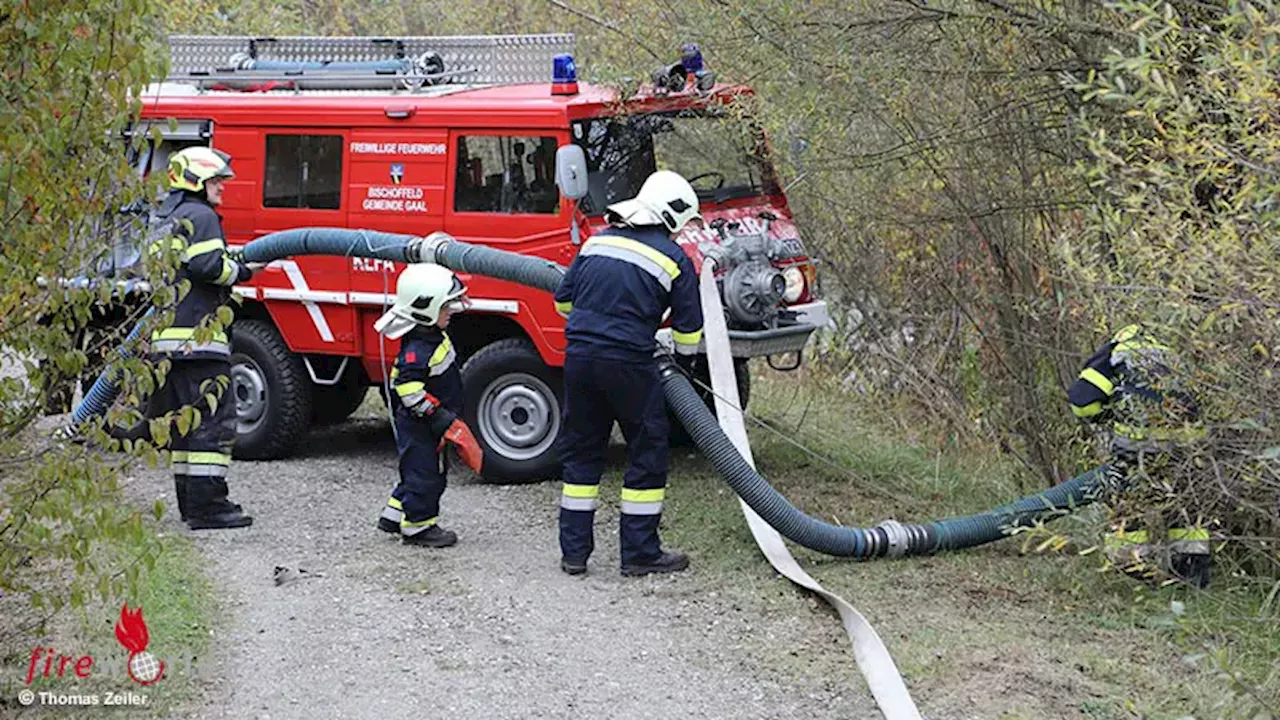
x: 188, y: 226
x: 617, y: 289
x: 427, y: 364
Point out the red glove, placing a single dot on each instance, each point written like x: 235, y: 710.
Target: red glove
x: 468, y: 449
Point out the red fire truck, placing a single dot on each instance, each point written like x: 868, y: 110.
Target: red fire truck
x: 466, y: 135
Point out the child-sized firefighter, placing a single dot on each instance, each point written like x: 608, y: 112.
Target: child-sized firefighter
x: 428, y: 386
x: 1131, y: 383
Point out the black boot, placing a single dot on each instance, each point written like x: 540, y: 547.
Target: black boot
x: 666, y: 563
x: 208, y: 507
x: 1192, y: 568
x: 434, y: 536
x: 573, y: 567
x: 233, y: 518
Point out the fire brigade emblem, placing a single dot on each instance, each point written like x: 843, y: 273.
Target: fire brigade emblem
x: 397, y: 172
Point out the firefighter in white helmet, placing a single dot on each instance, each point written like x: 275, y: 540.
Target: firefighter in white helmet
x: 427, y: 401
x: 614, y: 295
x: 187, y: 225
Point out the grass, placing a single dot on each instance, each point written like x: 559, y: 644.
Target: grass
x: 988, y: 632
x: 179, y: 609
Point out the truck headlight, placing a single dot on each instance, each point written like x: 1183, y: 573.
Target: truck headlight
x: 795, y: 284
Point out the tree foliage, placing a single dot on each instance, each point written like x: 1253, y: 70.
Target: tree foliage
x: 71, y: 75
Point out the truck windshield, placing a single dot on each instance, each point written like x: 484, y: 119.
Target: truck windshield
x: 719, y: 155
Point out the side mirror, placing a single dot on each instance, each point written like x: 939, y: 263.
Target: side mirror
x: 571, y: 171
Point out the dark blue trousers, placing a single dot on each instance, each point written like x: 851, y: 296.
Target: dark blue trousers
x: 597, y: 394
x: 422, y: 473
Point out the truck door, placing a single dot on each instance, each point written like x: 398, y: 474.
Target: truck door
x: 304, y: 172
x: 502, y: 192
x: 503, y: 189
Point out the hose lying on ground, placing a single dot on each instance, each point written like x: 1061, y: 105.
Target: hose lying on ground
x: 890, y: 538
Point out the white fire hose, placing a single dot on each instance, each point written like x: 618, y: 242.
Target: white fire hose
x: 872, y: 656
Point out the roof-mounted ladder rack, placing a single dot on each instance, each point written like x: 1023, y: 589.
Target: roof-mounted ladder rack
x: 351, y: 63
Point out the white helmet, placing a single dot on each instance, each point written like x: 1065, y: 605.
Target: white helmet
x: 421, y: 292
x: 665, y: 199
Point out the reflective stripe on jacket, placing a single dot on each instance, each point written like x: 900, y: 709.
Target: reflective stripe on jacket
x: 617, y: 290
x: 188, y: 226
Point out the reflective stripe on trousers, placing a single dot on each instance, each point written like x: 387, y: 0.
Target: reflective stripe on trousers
x: 579, y: 497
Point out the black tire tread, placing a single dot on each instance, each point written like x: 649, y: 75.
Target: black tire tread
x: 291, y: 394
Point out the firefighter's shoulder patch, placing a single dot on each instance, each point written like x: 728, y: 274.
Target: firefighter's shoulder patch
x: 411, y: 356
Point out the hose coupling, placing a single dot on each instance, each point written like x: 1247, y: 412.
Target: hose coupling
x: 429, y: 250
x: 899, y: 538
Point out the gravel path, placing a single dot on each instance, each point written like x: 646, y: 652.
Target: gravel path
x: 489, y: 628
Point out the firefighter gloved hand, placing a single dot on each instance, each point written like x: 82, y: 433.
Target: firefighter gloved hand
x: 468, y: 449
x: 425, y: 406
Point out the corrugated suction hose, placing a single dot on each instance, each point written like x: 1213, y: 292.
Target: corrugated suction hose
x: 889, y: 539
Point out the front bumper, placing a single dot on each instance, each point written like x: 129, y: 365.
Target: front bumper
x: 787, y: 338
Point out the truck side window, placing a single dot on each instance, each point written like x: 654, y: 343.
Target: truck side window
x: 506, y: 174
x: 303, y: 171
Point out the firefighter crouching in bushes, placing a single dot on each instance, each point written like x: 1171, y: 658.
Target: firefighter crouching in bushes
x: 614, y: 296
x: 1132, y: 382
x: 427, y: 399
x: 190, y: 228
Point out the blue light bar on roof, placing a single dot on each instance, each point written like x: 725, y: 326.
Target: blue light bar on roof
x: 564, y: 75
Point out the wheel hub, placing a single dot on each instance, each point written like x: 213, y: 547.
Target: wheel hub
x: 519, y: 416
x: 250, y: 387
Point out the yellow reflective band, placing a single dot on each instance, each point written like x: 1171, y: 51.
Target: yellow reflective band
x: 564, y: 308
x: 228, y: 271
x: 667, y: 264
x: 1188, y: 534
x: 580, y: 491
x: 395, y: 373
x: 185, y: 334
x: 410, y: 388
x: 643, y: 496
x: 1098, y: 380
x: 1125, y: 333
x: 179, y: 455
x: 394, y: 503
x: 405, y: 524
x: 208, y: 458
x: 1120, y: 539
x: 203, y: 247
x: 441, y: 352
x: 689, y: 338
x: 1089, y: 410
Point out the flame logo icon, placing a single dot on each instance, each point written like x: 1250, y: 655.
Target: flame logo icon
x: 131, y: 632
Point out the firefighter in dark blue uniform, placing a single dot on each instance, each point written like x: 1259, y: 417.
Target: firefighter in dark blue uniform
x: 1132, y: 384
x: 191, y: 230
x: 428, y: 387
x: 615, y: 295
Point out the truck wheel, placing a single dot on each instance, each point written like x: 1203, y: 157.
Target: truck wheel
x: 331, y: 404
x: 272, y: 392
x: 513, y: 402
x: 701, y: 376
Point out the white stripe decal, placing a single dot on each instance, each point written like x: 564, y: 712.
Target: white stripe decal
x: 511, y: 307
x: 300, y: 284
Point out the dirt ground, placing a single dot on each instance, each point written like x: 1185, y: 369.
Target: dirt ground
x: 489, y: 628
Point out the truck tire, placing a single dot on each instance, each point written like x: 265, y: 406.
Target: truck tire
x: 331, y: 404
x: 272, y: 392
x: 701, y: 374
x: 513, y: 406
